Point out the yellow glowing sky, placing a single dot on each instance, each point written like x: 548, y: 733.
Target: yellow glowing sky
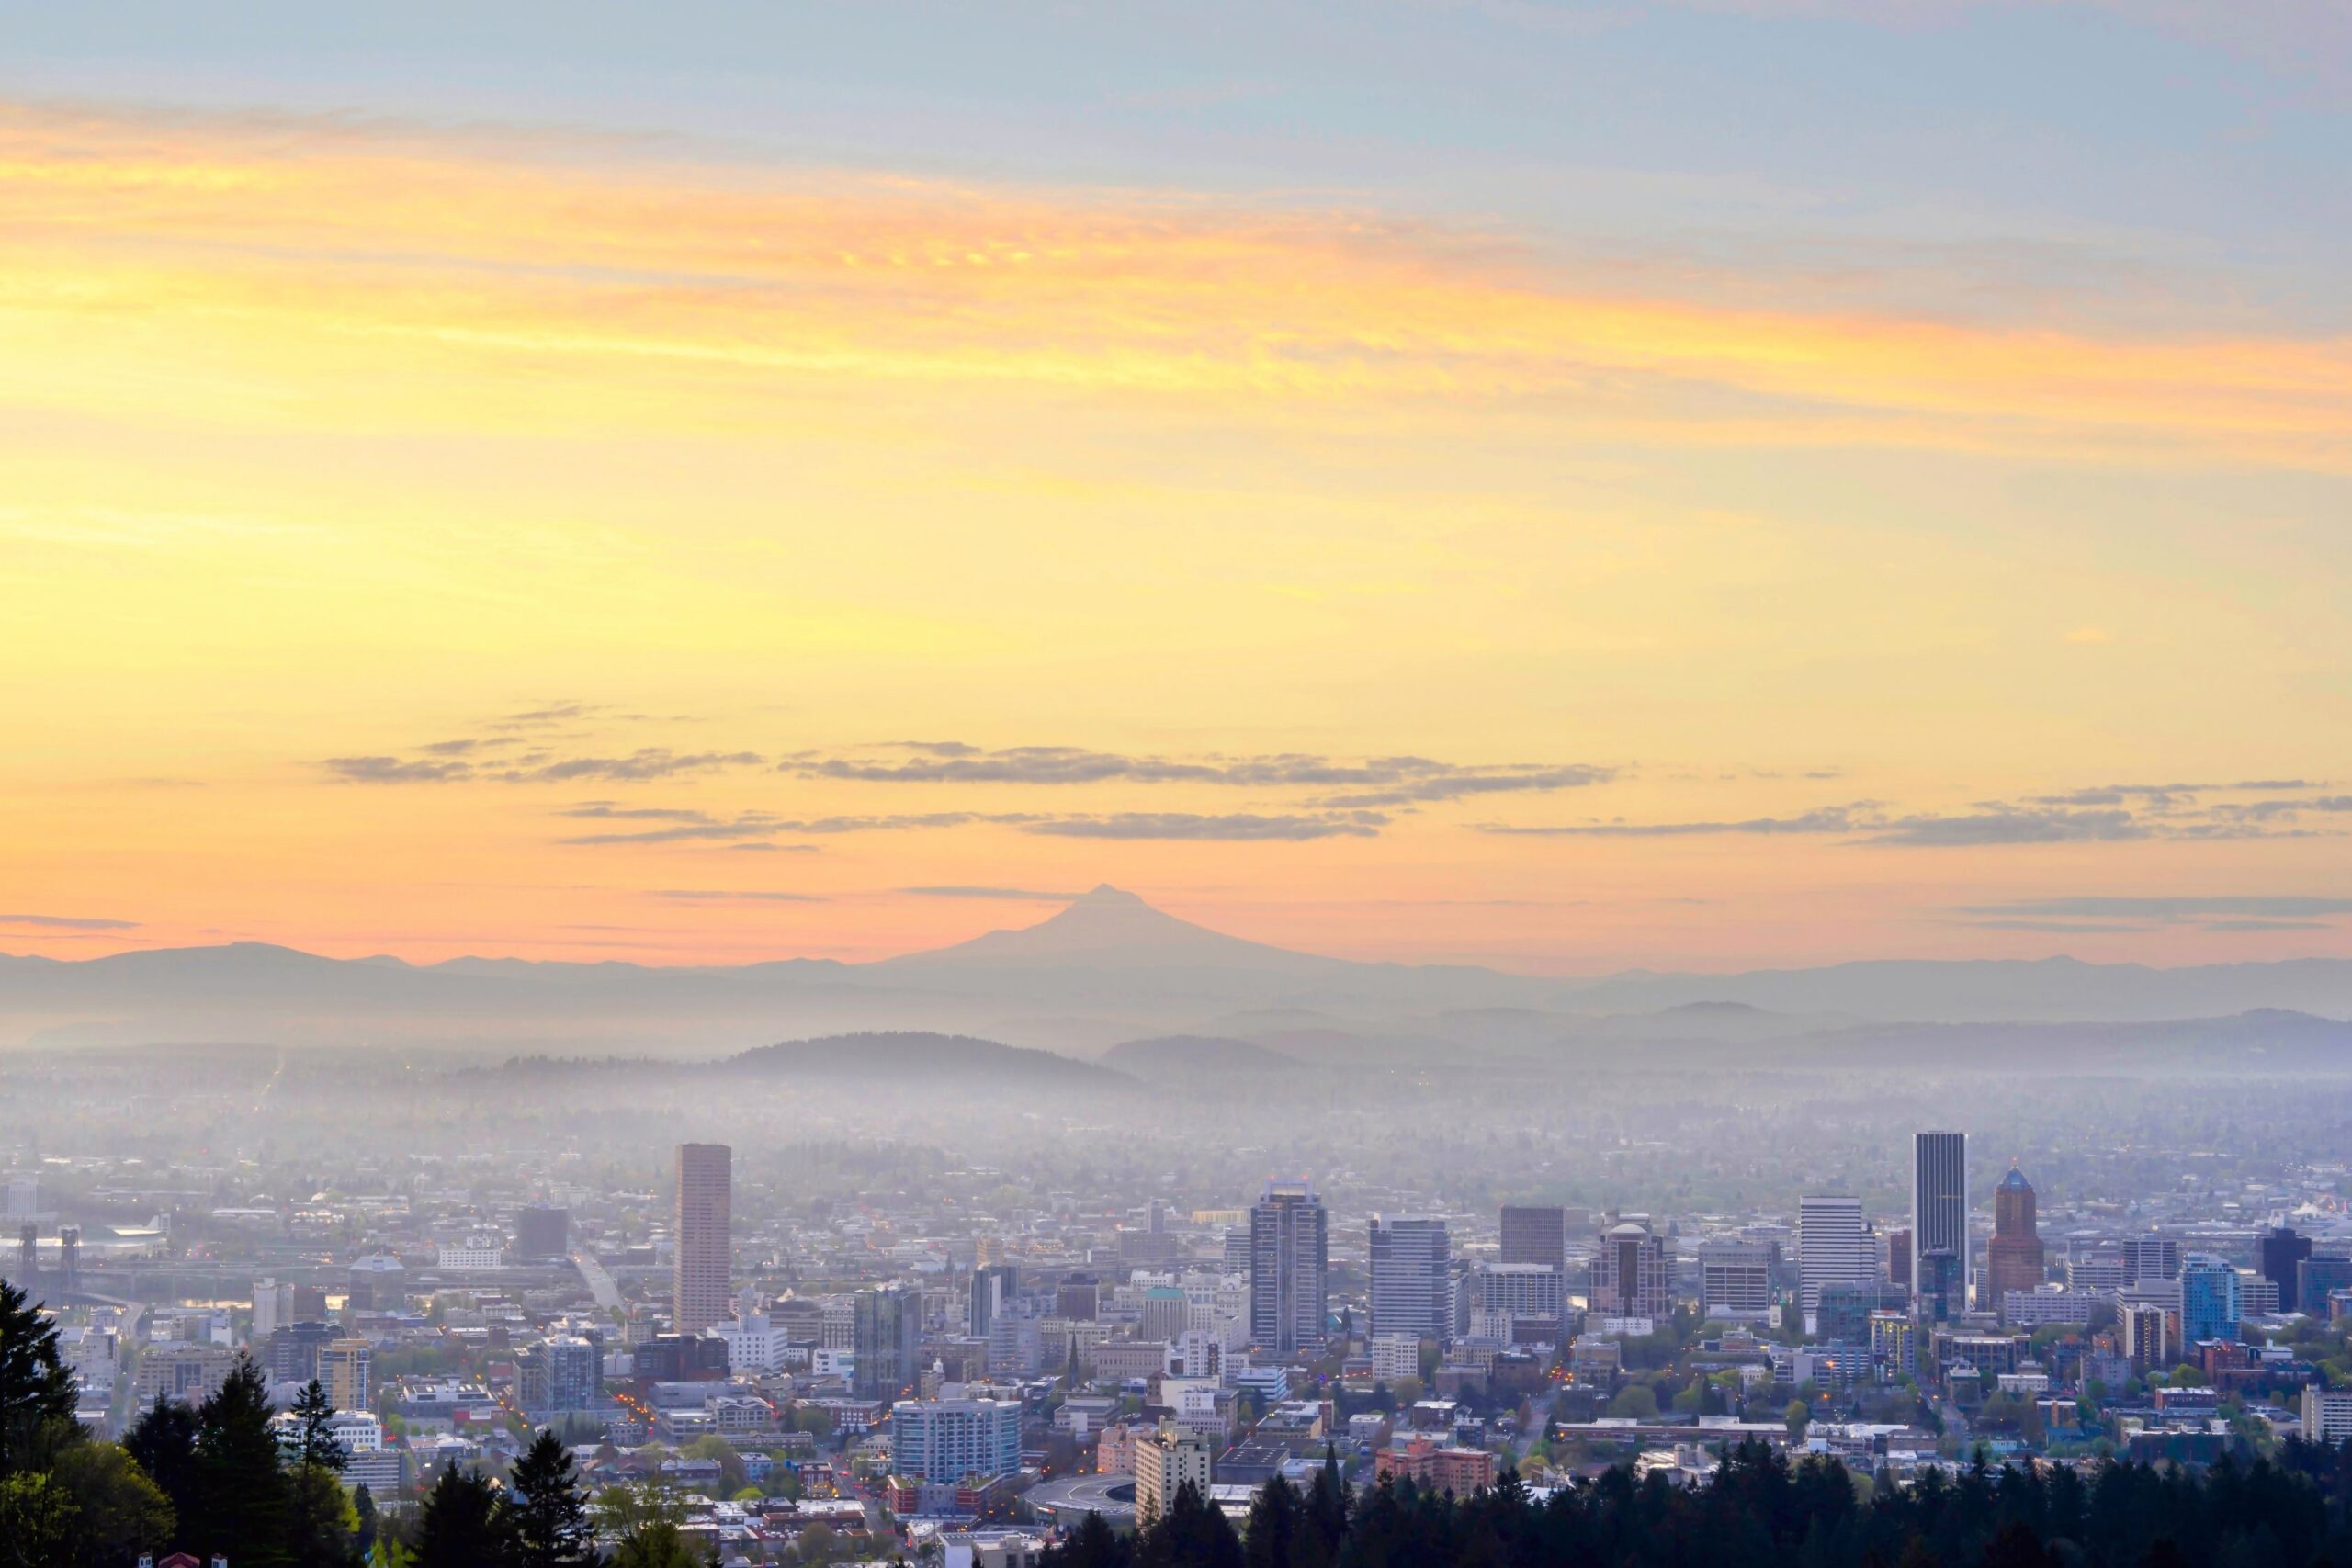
x: 385, y: 511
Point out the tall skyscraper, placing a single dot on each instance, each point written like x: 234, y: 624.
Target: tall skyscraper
x: 1939, y: 1205
x: 2014, y: 1260
x: 1536, y: 1235
x: 1632, y: 1276
x: 1734, y: 1281
x: 2284, y: 1247
x: 2150, y: 1258
x: 344, y: 1368
x: 1289, y: 1269
x: 704, y: 1260
x: 993, y: 1288
x: 1412, y: 1284
x: 887, y: 1333
x: 1940, y: 1291
x: 1833, y: 1247
x: 2209, y: 1300
x: 2143, y: 1324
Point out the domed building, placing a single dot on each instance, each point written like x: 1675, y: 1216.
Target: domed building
x: 2014, y: 1260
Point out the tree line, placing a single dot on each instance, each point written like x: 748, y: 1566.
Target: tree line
x: 218, y: 1478
x: 1762, y: 1511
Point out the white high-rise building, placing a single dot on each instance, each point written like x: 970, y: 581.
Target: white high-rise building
x: 1833, y: 1247
x: 1734, y: 1281
x: 947, y: 1439
x: 1167, y: 1462
x: 755, y: 1344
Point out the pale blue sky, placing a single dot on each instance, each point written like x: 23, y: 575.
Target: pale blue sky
x: 2168, y: 156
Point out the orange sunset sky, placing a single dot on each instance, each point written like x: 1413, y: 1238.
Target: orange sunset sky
x: 577, y: 514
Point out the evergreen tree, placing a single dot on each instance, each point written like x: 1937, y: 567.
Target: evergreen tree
x: 323, y: 1528
x: 550, y: 1514
x: 1193, y: 1534
x: 1094, y: 1544
x: 464, y: 1525
x: 1273, y: 1526
x: 240, y: 1501
x: 363, y: 1513
x: 315, y: 1443
x: 163, y: 1442
x: 37, y: 1395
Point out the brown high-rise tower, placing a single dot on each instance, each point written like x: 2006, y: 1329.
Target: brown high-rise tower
x: 2013, y: 1258
x: 704, y: 1257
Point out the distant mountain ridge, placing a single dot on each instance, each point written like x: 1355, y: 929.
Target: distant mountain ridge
x: 1107, y: 970
x: 1207, y: 1055
x: 921, y: 1057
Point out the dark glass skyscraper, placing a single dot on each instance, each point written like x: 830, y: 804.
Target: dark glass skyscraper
x: 1289, y: 1269
x: 887, y: 1336
x: 2283, y: 1247
x: 1535, y: 1234
x: 1939, y: 1201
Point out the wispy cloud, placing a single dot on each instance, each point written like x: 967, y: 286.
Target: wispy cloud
x: 2089, y: 816
x: 738, y: 896
x: 709, y: 285
x: 68, y: 923
x: 2169, y: 909
x: 1013, y: 895
x: 1827, y: 819
x: 2017, y: 825
x: 442, y: 761
x: 1374, y: 780
x: 397, y: 770
x: 1233, y: 827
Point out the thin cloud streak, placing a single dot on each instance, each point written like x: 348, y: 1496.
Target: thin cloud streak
x: 68, y: 923
x: 709, y: 282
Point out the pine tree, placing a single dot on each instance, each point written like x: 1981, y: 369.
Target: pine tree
x: 363, y: 1510
x: 163, y: 1442
x: 315, y: 1443
x: 464, y: 1523
x: 322, y: 1526
x: 240, y: 1498
x: 37, y: 1395
x: 1094, y: 1544
x: 1192, y: 1534
x: 550, y: 1514
x: 1274, y: 1522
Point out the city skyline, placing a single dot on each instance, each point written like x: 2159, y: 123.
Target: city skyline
x: 1176, y: 784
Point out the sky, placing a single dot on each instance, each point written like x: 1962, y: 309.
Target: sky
x: 1571, y: 486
